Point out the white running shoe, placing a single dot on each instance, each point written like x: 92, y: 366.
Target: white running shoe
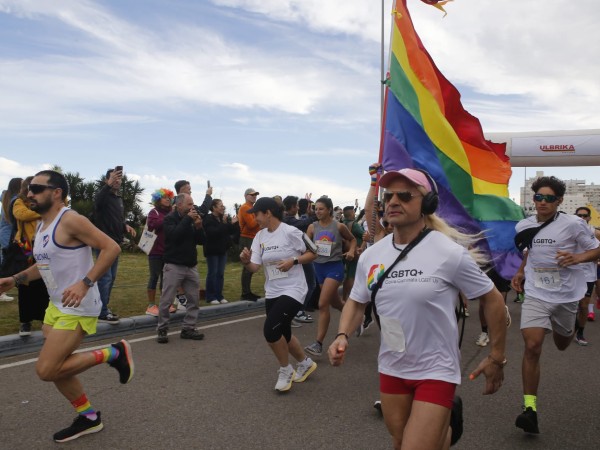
x: 6, y: 298
x: 284, y: 380
x: 223, y: 301
x: 214, y: 302
x: 304, y: 369
x: 483, y: 339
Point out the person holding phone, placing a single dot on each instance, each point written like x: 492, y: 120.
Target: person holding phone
x: 109, y: 217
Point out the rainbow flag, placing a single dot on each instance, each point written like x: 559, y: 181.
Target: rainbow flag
x: 426, y: 127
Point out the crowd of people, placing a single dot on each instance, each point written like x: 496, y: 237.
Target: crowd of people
x: 373, y: 265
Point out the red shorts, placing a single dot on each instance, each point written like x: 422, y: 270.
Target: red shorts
x: 430, y: 391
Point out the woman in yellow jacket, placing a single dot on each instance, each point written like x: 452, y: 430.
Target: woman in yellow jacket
x: 33, y: 299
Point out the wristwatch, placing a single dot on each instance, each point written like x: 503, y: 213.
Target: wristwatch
x: 296, y: 262
x: 89, y: 283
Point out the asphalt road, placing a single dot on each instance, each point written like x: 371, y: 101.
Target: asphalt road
x: 218, y: 394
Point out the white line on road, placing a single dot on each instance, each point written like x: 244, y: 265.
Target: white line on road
x: 140, y: 339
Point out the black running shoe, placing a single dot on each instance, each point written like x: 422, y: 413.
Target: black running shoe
x: 456, y: 419
x: 163, y: 337
x: 80, y: 427
x: 191, y: 334
x: 527, y: 421
x: 377, y: 406
x: 124, y: 362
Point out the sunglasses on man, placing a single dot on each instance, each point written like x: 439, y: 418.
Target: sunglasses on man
x: 583, y: 216
x: 39, y: 188
x: 548, y: 198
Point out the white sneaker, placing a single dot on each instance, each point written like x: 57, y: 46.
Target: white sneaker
x: 223, y: 301
x: 215, y: 302
x: 284, y: 380
x: 483, y: 339
x: 6, y: 298
x: 304, y: 369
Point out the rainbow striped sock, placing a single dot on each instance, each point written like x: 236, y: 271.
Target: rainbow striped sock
x: 106, y: 355
x: 83, y: 407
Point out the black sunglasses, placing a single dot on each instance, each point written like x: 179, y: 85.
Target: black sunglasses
x: 548, y: 198
x: 583, y: 216
x: 39, y: 188
x: 403, y: 196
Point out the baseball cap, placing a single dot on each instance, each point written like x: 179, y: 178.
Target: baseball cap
x: 264, y: 204
x: 415, y: 176
x: 251, y: 191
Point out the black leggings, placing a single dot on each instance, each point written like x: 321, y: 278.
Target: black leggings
x: 280, y: 312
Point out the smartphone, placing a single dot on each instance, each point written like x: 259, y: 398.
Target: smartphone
x: 119, y: 169
x: 208, y: 184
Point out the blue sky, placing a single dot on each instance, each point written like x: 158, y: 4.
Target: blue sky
x: 279, y: 95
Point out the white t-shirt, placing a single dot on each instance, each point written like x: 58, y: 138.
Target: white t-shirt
x: 544, y: 279
x: 590, y: 269
x: 268, y: 249
x: 419, y: 331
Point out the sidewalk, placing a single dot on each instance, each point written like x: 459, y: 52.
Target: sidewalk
x: 13, y: 344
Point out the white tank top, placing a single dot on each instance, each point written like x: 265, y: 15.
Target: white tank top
x: 62, y: 267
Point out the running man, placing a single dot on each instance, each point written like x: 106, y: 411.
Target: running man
x: 554, y: 281
x: 63, y: 254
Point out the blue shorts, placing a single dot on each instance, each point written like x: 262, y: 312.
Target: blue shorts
x: 333, y: 269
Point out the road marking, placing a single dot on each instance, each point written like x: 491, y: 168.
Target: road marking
x: 140, y: 339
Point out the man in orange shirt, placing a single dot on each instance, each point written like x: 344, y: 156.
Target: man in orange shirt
x: 248, y: 229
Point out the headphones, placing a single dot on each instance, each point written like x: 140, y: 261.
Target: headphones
x: 431, y: 200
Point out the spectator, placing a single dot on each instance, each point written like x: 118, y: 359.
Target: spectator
x: 218, y: 228
x: 33, y: 298
x: 162, y: 199
x: 183, y: 231
x: 8, y: 229
x: 109, y: 217
x: 184, y: 187
x: 248, y: 229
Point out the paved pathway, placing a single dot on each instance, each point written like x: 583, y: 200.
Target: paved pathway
x: 218, y: 394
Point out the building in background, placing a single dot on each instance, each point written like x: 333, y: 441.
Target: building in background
x: 578, y: 194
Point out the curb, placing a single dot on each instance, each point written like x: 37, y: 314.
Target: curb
x: 13, y: 344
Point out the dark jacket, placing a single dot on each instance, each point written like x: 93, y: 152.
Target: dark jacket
x: 181, y: 238
x: 218, y: 235
x: 109, y: 213
x: 302, y: 223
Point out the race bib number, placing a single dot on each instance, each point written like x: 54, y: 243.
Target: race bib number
x: 324, y: 248
x: 46, y: 274
x: 273, y: 273
x: 392, y: 334
x: 547, y: 278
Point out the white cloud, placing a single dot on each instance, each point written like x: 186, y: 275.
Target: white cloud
x: 128, y: 71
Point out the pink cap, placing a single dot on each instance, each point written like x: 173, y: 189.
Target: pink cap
x: 412, y: 175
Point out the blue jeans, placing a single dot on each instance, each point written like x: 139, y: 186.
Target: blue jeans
x: 105, y: 284
x: 215, y: 277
